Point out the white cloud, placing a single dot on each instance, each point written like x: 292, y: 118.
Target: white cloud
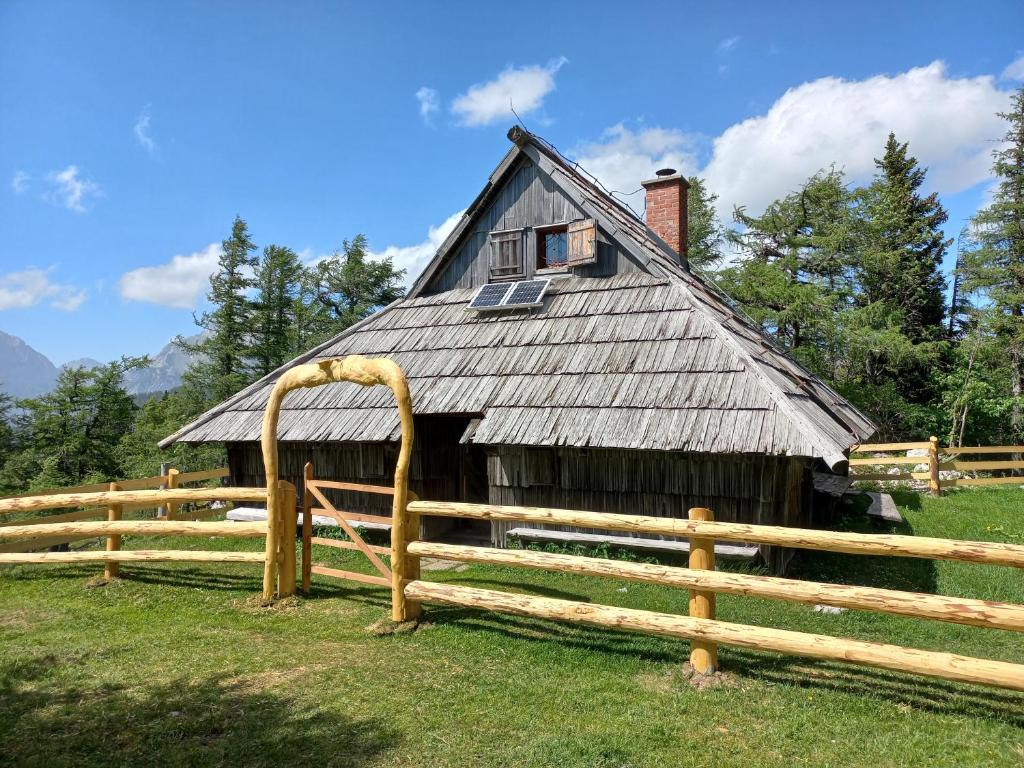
x: 413, y: 258
x: 19, y: 182
x: 519, y: 88
x: 1014, y: 70
x: 180, y: 283
x: 20, y: 290
x: 623, y: 158
x: 70, y: 190
x: 949, y: 123
x: 427, y: 97
x: 141, y: 131
x: 728, y: 44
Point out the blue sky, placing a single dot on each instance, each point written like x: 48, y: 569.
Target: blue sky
x: 132, y: 133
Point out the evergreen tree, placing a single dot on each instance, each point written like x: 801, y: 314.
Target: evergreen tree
x: 278, y: 284
x: 227, y: 348
x: 704, y: 234
x: 137, y: 452
x: 69, y: 435
x: 994, y: 270
x: 791, y: 276
x: 901, y: 259
x: 348, y: 287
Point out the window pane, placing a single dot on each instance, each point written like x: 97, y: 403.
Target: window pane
x: 555, y: 249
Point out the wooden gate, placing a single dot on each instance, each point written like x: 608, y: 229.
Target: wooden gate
x: 314, y: 493
x: 281, y: 520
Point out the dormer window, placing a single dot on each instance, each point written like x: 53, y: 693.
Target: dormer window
x: 552, y: 247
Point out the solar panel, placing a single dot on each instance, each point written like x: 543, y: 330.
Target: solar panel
x: 490, y: 296
x: 526, y: 293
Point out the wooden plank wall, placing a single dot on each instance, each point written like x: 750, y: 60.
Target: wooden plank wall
x: 529, y: 199
x: 748, y: 489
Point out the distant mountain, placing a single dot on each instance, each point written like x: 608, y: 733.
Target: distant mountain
x: 24, y: 372
x: 164, y: 372
x: 83, y: 362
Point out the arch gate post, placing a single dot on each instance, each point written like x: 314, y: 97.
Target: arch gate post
x: 404, y: 524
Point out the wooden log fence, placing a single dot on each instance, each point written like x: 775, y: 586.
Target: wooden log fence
x: 69, y: 527
x: 935, y: 464
x: 701, y: 627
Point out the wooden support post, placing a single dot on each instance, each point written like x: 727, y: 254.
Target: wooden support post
x: 703, y: 655
x: 112, y: 569
x: 289, y: 514
x: 933, y: 466
x: 171, y: 510
x: 307, y: 529
x: 405, y: 523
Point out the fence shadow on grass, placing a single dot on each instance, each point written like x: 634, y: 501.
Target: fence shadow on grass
x: 909, y: 574
x: 906, y: 690
x: 219, y: 720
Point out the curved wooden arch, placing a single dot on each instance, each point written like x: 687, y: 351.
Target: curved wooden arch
x: 367, y: 372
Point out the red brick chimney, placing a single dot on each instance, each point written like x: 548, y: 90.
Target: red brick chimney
x: 666, y: 209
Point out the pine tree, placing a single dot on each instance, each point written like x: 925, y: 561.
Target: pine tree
x: 227, y: 349
x: 348, y: 287
x: 791, y: 274
x: 278, y: 284
x: 70, y: 435
x: 704, y: 233
x: 901, y: 260
x: 994, y: 270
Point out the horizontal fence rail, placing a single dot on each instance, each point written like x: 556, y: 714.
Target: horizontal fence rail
x: 133, y: 528
x: 146, y: 498
x: 994, y: 553
x: 957, y: 610
x: 135, y: 484
x: 131, y: 555
x: 935, y: 464
x: 894, y: 657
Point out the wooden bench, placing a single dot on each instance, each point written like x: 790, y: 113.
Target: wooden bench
x: 729, y: 551
x: 255, y: 514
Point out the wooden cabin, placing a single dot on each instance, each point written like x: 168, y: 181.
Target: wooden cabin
x: 560, y: 353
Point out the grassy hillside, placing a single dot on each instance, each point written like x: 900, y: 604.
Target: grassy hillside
x: 175, y: 665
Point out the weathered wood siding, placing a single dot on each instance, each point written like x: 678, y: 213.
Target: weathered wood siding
x: 764, y: 490
x: 529, y: 199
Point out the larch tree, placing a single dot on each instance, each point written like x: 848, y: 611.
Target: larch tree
x: 791, y: 273
x: 994, y: 270
x: 348, y: 287
x: 278, y: 285
x: 704, y: 233
x: 226, y: 350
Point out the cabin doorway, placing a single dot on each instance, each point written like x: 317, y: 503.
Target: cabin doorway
x: 451, y: 471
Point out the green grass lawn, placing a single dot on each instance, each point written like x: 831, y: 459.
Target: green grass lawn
x: 174, y: 664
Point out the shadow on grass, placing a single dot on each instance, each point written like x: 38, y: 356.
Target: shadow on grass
x: 903, y: 573
x: 920, y: 693
x: 903, y: 690
x: 45, y: 721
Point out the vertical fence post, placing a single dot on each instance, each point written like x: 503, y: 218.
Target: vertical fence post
x: 289, y: 513
x: 933, y: 466
x: 171, y: 511
x: 307, y: 528
x: 703, y: 656
x: 112, y: 569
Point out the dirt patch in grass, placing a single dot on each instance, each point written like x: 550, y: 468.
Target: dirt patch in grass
x: 685, y: 677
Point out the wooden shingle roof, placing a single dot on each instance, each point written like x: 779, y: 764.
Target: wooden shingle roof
x: 632, y: 361
x: 650, y: 360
